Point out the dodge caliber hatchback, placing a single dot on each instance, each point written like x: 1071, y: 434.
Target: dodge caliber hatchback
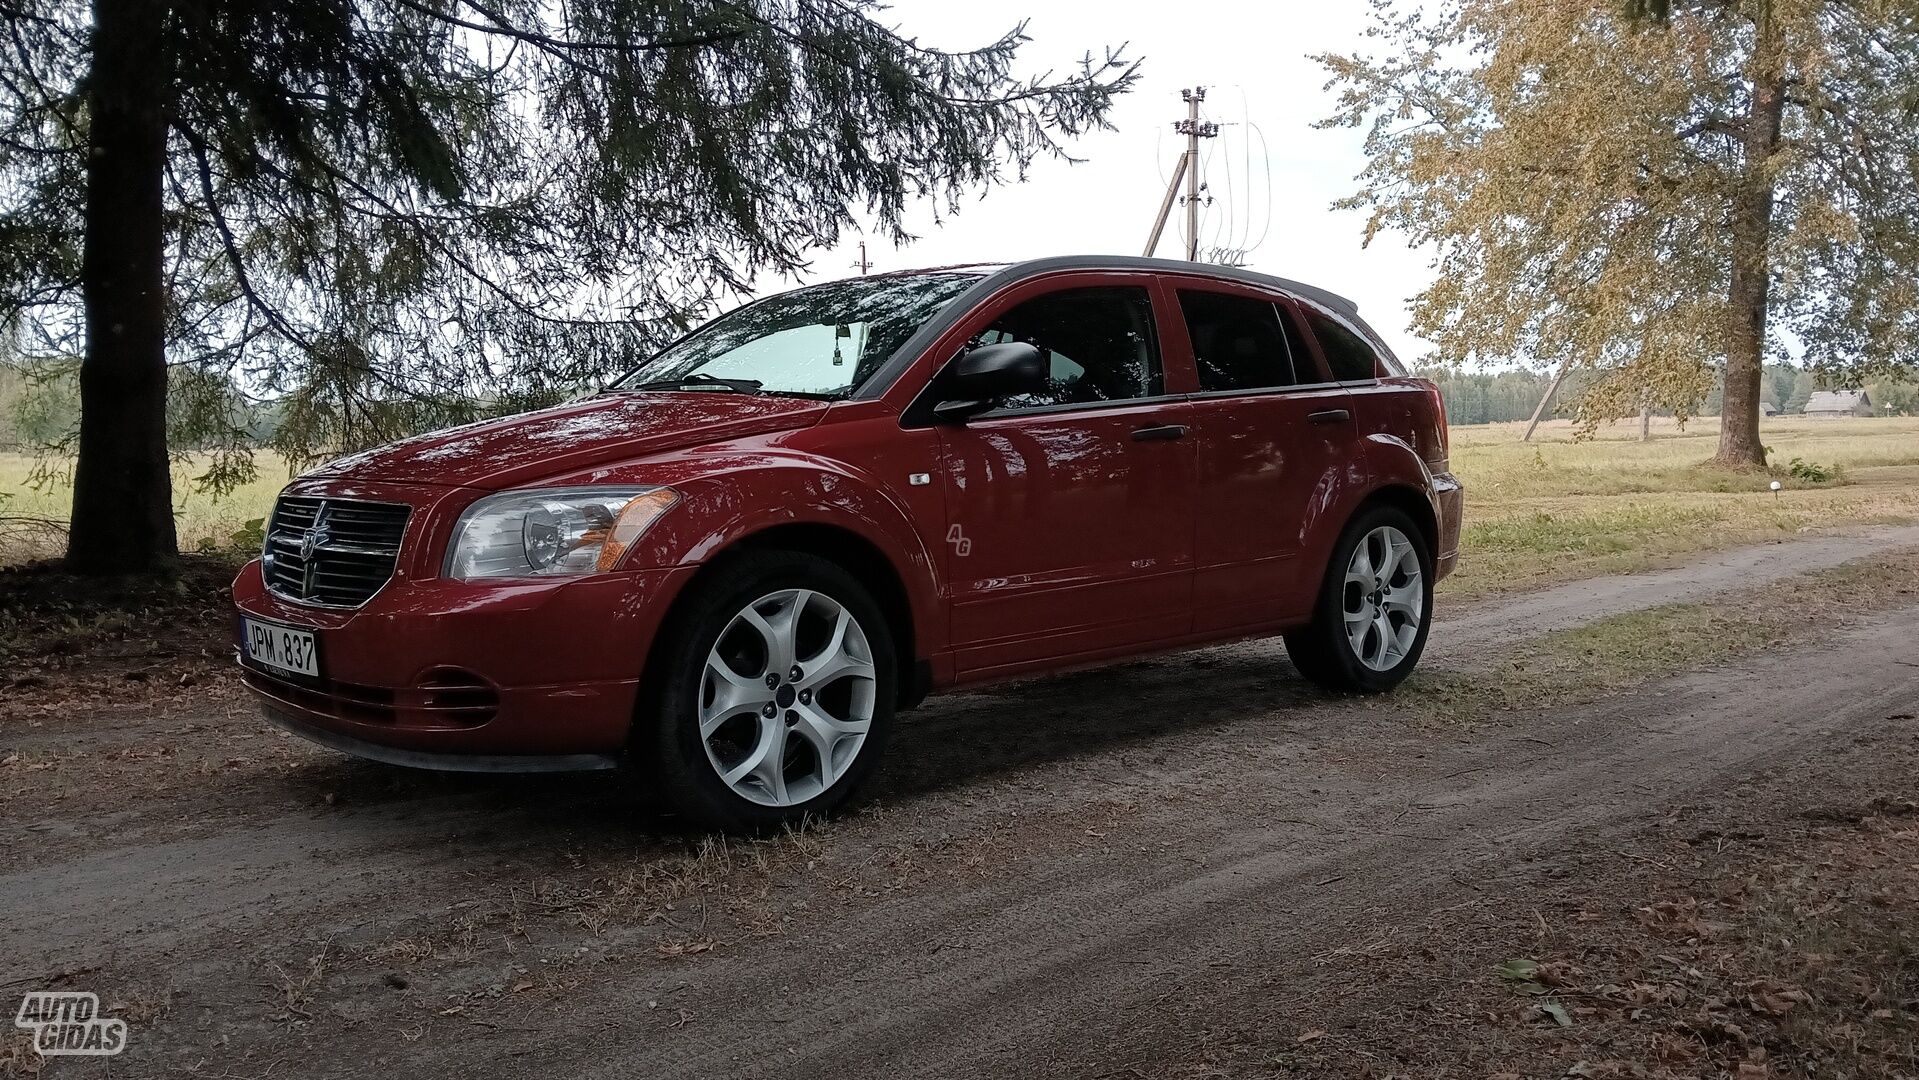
x: 730, y: 569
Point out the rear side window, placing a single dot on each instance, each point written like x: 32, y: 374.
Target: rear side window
x: 1100, y: 344
x: 1240, y: 342
x: 1347, y: 354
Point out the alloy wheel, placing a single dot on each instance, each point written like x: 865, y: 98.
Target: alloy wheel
x: 1384, y: 598
x: 787, y: 697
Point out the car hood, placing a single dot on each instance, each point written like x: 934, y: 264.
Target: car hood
x: 517, y: 450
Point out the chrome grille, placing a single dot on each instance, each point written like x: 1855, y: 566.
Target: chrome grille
x: 332, y: 552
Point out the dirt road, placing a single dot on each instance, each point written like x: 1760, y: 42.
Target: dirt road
x: 1110, y: 873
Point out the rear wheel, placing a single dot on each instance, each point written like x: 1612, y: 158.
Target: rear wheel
x: 1374, y: 607
x: 774, y: 695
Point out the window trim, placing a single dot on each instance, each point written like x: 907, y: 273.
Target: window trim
x: 1268, y: 391
x: 1077, y: 406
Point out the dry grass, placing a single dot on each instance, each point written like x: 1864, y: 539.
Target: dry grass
x: 715, y: 892
x: 1623, y: 651
x: 1557, y: 509
x: 204, y: 521
x: 17, y: 1055
x: 65, y: 640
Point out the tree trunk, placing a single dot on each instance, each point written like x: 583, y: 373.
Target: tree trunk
x: 1748, y: 293
x: 122, y: 493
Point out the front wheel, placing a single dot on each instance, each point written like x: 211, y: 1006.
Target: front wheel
x: 774, y: 694
x: 1374, y: 607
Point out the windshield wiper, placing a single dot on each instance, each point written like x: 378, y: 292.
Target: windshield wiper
x: 699, y: 380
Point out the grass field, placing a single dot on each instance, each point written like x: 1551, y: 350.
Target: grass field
x: 1555, y: 509
x: 202, y: 520
x: 1551, y: 509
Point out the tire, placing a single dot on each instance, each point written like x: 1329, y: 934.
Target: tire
x: 749, y: 770
x: 1357, y: 640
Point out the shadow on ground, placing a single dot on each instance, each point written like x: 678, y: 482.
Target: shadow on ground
x: 949, y: 743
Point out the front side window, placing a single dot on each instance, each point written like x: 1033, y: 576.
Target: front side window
x: 824, y: 341
x: 1241, y: 342
x: 1347, y: 354
x: 1099, y: 343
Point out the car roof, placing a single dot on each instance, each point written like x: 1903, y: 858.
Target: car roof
x: 1007, y: 273
x: 995, y: 276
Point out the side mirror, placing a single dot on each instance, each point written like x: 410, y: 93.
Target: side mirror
x: 983, y: 375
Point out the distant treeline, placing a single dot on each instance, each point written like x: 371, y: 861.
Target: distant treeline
x: 40, y: 407
x: 1492, y: 397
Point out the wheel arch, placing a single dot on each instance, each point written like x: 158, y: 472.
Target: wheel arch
x: 844, y: 547
x: 1413, y: 503
x: 1318, y: 648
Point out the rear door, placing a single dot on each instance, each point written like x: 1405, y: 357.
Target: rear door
x: 1068, y: 510
x: 1384, y: 401
x: 1276, y: 462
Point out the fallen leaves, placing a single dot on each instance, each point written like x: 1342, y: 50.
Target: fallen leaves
x: 1521, y: 976
x: 1677, y: 915
x: 1552, y: 1010
x: 1530, y: 978
x: 1773, y: 1000
x: 1737, y: 953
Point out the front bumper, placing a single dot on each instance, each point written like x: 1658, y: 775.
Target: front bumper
x: 463, y: 675
x: 296, y: 723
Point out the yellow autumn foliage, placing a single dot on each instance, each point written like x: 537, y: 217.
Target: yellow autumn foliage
x: 1658, y: 200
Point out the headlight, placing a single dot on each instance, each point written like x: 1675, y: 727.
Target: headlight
x: 552, y: 532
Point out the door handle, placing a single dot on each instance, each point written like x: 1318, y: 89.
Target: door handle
x: 1163, y: 431
x: 1330, y: 416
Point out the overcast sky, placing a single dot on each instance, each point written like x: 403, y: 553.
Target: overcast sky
x: 1252, y: 58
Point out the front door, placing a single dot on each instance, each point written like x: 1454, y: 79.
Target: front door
x: 1069, y: 510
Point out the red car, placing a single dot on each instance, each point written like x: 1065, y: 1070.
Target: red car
x: 729, y: 569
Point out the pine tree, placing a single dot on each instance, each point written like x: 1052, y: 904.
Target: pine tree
x: 393, y: 214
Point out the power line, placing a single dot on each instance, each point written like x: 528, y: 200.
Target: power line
x: 1229, y: 226
x: 1266, y: 166
x: 1188, y: 170
x: 1246, y: 162
x: 1222, y: 221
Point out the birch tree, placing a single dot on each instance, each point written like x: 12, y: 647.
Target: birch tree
x: 1654, y: 190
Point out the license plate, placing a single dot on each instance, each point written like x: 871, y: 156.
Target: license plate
x: 283, y: 648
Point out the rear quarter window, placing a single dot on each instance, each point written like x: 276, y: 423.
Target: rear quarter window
x: 1350, y: 356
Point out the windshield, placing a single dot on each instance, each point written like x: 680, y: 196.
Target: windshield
x: 822, y: 341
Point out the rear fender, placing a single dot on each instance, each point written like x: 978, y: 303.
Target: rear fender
x: 1399, y: 474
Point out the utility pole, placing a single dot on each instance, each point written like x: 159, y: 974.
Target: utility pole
x: 1187, y: 170
x: 1544, y: 400
x: 864, y: 264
